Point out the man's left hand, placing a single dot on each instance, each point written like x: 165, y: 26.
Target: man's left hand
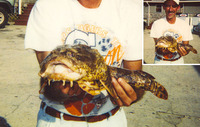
x: 182, y: 50
x: 125, y: 94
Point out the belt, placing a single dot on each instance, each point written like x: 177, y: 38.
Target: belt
x: 167, y: 59
x: 52, y: 112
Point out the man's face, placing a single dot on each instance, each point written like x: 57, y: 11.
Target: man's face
x: 171, y: 8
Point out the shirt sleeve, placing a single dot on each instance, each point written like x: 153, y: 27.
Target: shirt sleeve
x: 155, y: 33
x: 41, y: 28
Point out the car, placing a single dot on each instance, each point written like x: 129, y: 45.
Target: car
x: 6, y: 7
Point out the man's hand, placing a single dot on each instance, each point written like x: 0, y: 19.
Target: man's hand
x: 125, y: 94
x: 182, y: 49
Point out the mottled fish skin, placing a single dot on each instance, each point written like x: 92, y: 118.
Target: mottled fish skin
x: 188, y: 48
x: 93, y: 74
x: 140, y: 79
x: 170, y: 43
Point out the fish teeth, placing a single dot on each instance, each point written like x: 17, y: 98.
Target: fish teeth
x: 49, y: 82
x: 71, y: 83
x: 63, y: 82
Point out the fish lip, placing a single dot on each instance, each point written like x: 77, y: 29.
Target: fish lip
x: 70, y: 69
x: 65, y: 63
x: 162, y: 45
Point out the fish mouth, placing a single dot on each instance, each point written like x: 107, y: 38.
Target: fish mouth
x: 62, y: 70
x: 162, y: 45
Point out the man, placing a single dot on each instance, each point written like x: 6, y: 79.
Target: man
x: 107, y: 25
x: 171, y: 26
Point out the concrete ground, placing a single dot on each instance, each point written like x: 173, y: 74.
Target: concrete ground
x: 20, y: 84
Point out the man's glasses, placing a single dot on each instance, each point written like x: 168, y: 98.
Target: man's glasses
x: 173, y: 6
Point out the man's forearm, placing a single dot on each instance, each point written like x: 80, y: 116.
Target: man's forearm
x: 133, y: 65
x: 41, y: 55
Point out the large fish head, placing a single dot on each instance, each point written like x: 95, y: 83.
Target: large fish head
x: 69, y: 63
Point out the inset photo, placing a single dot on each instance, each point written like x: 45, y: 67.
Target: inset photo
x: 171, y: 32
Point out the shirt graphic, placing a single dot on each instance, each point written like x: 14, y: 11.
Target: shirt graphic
x: 108, y: 45
x: 174, y: 34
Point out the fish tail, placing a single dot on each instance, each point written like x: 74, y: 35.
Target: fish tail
x: 157, y: 89
x: 140, y: 80
x: 147, y: 82
x: 189, y: 48
x: 194, y: 50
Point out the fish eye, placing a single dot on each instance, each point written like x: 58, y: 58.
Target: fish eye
x: 70, y: 54
x: 78, y: 57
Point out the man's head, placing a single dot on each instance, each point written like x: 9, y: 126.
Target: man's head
x: 176, y: 1
x: 171, y: 7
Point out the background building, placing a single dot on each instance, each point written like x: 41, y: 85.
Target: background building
x: 189, y: 11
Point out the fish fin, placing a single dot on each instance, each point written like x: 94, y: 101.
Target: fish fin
x: 85, y: 86
x: 194, y: 51
x: 144, y: 74
x: 111, y: 91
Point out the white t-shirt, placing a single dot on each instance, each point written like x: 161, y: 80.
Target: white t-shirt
x: 180, y: 30
x: 114, y: 28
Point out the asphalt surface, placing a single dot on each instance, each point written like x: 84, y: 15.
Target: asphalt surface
x: 19, y: 88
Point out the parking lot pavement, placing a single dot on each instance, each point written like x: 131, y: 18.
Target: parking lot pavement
x: 20, y: 84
